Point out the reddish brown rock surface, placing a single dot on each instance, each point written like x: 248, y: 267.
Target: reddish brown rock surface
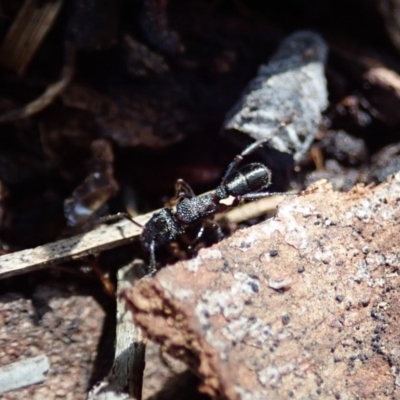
x: 61, y: 324
x: 304, y: 305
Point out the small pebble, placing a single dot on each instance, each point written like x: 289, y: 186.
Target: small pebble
x: 339, y: 298
x: 273, y: 253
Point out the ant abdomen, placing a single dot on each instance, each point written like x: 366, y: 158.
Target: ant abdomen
x: 250, y: 178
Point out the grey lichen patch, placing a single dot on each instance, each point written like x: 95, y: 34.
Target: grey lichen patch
x: 366, y: 266
x: 272, y: 375
x: 292, y: 215
x: 362, y: 271
x: 363, y: 212
x: 252, y: 331
x: 211, y: 254
x: 245, y: 394
x: 375, y: 260
x: 213, y: 303
x: 393, y: 259
x: 245, y: 243
x: 326, y: 256
x: 193, y: 265
x: 184, y: 294
x: 229, y: 303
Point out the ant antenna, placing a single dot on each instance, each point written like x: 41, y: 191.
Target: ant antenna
x: 261, y: 195
x: 252, y: 147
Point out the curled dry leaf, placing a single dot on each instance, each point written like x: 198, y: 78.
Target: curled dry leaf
x: 333, y: 331
x: 291, y: 88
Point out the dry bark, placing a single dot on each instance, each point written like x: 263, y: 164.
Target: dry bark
x: 302, y: 306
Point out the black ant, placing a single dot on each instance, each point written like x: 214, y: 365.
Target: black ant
x: 168, y: 225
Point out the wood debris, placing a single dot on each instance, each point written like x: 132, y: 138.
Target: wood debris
x: 29, y: 371
x: 27, y: 33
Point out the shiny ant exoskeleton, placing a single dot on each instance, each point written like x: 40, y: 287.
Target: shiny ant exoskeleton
x: 167, y: 225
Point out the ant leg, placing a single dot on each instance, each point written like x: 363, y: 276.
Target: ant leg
x: 199, y: 235
x: 219, y: 235
x: 118, y: 216
x: 250, y: 148
x: 183, y: 189
x: 239, y: 158
x: 152, y: 269
x: 152, y: 263
x: 218, y: 231
x: 214, y: 225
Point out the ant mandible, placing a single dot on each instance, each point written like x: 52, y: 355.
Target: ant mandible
x: 245, y: 183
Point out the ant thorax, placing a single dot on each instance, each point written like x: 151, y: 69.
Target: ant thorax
x: 193, y: 209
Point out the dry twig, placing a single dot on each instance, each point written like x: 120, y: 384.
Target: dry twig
x: 101, y: 238
x: 106, y: 237
x: 125, y: 379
